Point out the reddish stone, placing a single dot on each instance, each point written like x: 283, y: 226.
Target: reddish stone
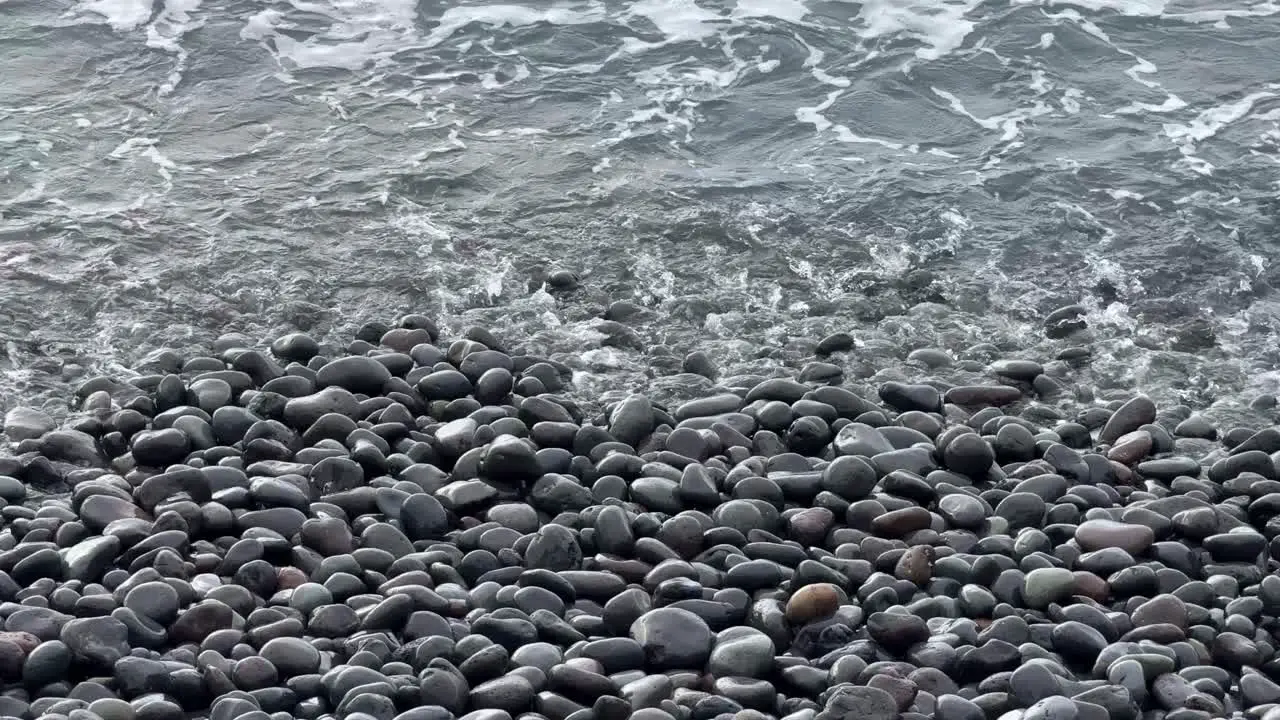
x: 1091, y: 586
x: 25, y: 641
x: 813, y: 602
x: 288, y: 578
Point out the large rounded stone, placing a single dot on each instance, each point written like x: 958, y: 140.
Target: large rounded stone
x: 1098, y: 534
x: 1047, y: 585
x: 291, y: 656
x: 813, y: 602
x: 158, y: 448
x: 98, y: 642
x: 357, y: 374
x: 741, y: 652
x: 673, y: 638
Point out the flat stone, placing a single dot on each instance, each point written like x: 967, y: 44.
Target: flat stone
x: 24, y: 423
x: 1131, y: 447
x: 1097, y: 534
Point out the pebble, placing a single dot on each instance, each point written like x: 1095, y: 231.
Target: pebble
x: 672, y: 639
x: 292, y: 535
x: 1128, y: 418
x: 1098, y: 534
x: 97, y: 642
x: 813, y: 602
x: 24, y: 423
x: 1043, y: 586
x: 742, y: 652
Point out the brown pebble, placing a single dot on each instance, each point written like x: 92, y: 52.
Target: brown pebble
x: 1131, y: 447
x: 1092, y: 586
x: 916, y: 565
x: 25, y: 641
x: 813, y: 602
x: 1124, y: 475
x: 897, y: 523
x: 809, y: 526
x: 288, y: 578
x: 902, y: 691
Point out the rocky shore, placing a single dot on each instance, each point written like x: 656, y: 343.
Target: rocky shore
x: 409, y: 528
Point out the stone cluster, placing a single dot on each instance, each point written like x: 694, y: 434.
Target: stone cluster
x: 409, y: 529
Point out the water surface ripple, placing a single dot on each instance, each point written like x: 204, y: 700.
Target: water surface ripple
x: 756, y: 173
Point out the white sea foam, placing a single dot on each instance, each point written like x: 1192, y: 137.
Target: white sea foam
x: 1141, y: 66
x: 362, y: 30
x: 1133, y: 8
x: 677, y: 20
x: 1009, y: 124
x: 143, y: 147
x: 1170, y: 104
x: 165, y: 33
x: 814, y: 59
x: 498, y: 16
x: 845, y: 135
x: 173, y: 21
x: 940, y: 26
x: 814, y: 114
x: 121, y: 15
x: 1209, y: 121
x: 1207, y: 124
x: 1219, y: 17
x: 792, y: 11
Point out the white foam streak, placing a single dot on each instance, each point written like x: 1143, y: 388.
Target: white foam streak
x: 500, y: 16
x: 1210, y: 121
x: 815, y: 58
x: 1206, y: 125
x: 166, y: 32
x: 792, y: 11
x: 121, y: 15
x: 940, y: 26
x: 813, y: 115
x: 1170, y: 104
x: 1220, y: 17
x: 1131, y: 8
x: 146, y: 148
x: 362, y: 31
x: 845, y: 135
x: 173, y: 21
x: 1010, y: 123
x: 677, y: 20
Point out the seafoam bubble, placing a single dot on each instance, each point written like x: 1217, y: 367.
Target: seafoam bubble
x: 454, y: 19
x: 1208, y: 123
x: 940, y: 27
x: 166, y: 31
x: 359, y: 32
x: 792, y: 11
x: 1132, y: 8
x: 121, y: 15
x: 677, y: 20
